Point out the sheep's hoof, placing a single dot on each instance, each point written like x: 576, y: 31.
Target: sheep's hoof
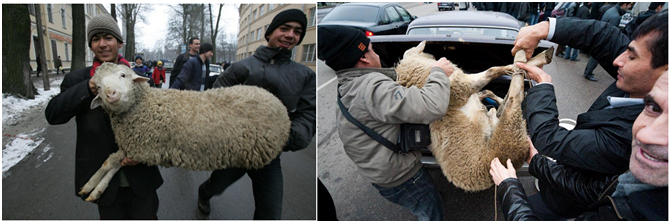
x: 90, y: 199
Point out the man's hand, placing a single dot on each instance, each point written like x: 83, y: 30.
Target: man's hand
x: 529, y: 37
x: 445, y: 65
x: 92, y: 85
x: 500, y: 173
x: 128, y: 162
x: 532, y: 150
x: 535, y: 73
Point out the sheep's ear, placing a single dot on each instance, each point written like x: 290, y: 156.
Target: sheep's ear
x: 97, y: 102
x: 415, y: 50
x: 420, y: 47
x: 139, y: 79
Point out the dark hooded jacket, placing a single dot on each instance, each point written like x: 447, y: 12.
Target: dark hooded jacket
x: 293, y: 83
x: 191, y: 77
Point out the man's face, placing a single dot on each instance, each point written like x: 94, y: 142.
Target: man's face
x: 208, y: 55
x: 138, y: 61
x: 105, y: 47
x: 195, y: 45
x: 635, y: 74
x: 650, y: 148
x: 372, y: 57
x: 286, y: 35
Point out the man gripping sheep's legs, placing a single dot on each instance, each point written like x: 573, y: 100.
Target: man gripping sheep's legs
x: 295, y: 85
x: 131, y: 194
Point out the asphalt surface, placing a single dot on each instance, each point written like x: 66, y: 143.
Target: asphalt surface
x: 41, y: 187
x: 356, y: 199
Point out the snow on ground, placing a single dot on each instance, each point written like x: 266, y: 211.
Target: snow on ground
x: 20, y: 146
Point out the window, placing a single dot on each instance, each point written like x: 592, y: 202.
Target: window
x: 63, y: 18
x: 261, y: 10
x: 309, y: 53
x: 393, y: 15
x: 404, y: 14
x: 31, y: 9
x: 254, y: 14
x: 270, y: 7
x: 251, y: 35
x: 51, y: 18
x: 293, y: 53
x: 89, y: 9
x: 311, y: 19
x: 259, y: 34
x: 67, y: 53
x: 54, y: 50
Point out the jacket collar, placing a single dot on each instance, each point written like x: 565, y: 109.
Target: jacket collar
x: 347, y: 75
x: 272, y: 54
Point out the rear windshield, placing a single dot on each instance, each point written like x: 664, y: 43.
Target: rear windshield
x: 464, y: 31
x: 356, y: 13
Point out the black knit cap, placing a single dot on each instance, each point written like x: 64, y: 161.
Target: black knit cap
x: 204, y: 47
x: 341, y: 46
x: 289, y: 15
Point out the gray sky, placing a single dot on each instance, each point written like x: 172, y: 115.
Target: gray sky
x: 154, y: 28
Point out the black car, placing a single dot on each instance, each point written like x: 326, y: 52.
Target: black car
x: 372, y: 18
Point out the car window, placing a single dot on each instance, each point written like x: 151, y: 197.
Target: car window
x: 464, y: 31
x: 393, y: 15
x: 404, y: 14
x: 352, y: 13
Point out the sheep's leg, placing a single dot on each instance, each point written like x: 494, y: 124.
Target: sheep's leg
x: 95, y: 194
x: 489, y: 94
x: 113, y: 161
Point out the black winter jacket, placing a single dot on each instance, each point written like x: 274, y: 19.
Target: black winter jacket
x: 179, y: 64
x: 583, y: 12
x: 601, y: 140
x: 593, y: 191
x: 191, y: 76
x: 293, y: 83
x: 95, y: 139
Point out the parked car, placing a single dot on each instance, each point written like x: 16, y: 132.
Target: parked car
x: 474, y: 40
x: 215, y: 69
x: 167, y: 64
x: 463, y: 6
x: 372, y: 18
x: 446, y: 6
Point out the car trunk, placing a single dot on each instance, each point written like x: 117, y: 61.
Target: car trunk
x: 474, y: 55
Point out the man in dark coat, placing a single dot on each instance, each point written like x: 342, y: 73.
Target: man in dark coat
x: 653, y: 8
x: 294, y: 84
x: 195, y: 75
x: 600, y: 142
x: 640, y: 194
x: 582, y: 12
x: 58, y: 64
x: 611, y: 14
x: 131, y: 194
x: 194, y: 45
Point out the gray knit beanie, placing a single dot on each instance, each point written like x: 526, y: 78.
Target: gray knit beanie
x: 103, y: 23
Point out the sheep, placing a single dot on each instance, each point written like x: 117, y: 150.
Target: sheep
x: 239, y: 126
x: 468, y: 137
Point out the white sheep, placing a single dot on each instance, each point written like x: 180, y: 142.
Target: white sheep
x: 239, y: 126
x: 468, y: 137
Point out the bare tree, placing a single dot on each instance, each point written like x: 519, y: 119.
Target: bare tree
x: 113, y: 11
x: 16, y: 51
x: 78, y: 37
x: 214, y: 30
x: 129, y: 14
x: 40, y: 49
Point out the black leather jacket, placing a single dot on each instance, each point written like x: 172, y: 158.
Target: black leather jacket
x: 593, y: 192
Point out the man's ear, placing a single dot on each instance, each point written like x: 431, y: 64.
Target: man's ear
x: 364, y: 60
x: 120, y: 45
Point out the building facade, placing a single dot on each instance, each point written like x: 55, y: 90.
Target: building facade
x: 255, y: 19
x: 57, y: 18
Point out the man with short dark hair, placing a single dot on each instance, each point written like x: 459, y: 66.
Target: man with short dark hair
x: 196, y: 72
x: 194, y: 45
x: 131, y: 194
x: 375, y: 100
x: 294, y: 84
x: 600, y: 141
x: 653, y: 8
x: 58, y: 64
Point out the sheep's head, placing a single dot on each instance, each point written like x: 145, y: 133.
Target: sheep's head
x: 414, y: 68
x: 115, y: 87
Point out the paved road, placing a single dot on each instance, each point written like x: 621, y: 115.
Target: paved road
x: 41, y: 186
x: 357, y: 199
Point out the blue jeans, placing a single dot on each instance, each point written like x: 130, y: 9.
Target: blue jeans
x: 266, y: 184
x: 533, y: 19
x: 417, y: 194
x: 573, y: 56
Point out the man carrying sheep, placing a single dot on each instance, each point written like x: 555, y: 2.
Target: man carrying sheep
x: 294, y: 84
x: 601, y: 140
x: 132, y: 192
x: 378, y: 102
x: 196, y: 72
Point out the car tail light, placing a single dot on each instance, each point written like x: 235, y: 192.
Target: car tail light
x: 369, y: 33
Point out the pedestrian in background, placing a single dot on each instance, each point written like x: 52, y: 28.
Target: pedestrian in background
x: 581, y: 12
x: 294, y: 84
x: 196, y: 72
x: 58, y: 65
x: 131, y: 194
x: 612, y: 14
x: 159, y: 74
x: 194, y: 45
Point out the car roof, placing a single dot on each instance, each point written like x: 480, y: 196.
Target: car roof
x: 467, y: 18
x: 378, y: 4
